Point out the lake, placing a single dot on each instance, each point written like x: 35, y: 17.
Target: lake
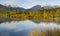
x: 23, y: 28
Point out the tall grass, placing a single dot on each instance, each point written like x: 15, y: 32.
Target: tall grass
x: 47, y: 32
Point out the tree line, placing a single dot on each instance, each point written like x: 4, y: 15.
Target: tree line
x: 46, y: 15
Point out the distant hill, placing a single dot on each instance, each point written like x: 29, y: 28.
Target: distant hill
x: 5, y: 8
x: 34, y: 8
x: 37, y: 7
x: 16, y: 8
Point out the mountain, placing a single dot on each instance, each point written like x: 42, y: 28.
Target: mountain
x: 37, y: 7
x: 34, y: 8
x: 16, y: 8
x: 5, y: 8
x: 48, y: 7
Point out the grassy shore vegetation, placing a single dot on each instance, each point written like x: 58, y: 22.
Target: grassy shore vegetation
x: 46, y: 15
x: 47, y: 32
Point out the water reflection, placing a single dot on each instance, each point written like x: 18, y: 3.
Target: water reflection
x: 22, y: 28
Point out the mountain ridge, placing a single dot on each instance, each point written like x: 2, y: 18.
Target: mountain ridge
x: 34, y: 8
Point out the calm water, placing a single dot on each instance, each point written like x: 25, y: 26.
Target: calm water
x: 22, y: 28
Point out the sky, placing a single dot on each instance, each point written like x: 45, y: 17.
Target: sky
x: 30, y: 3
